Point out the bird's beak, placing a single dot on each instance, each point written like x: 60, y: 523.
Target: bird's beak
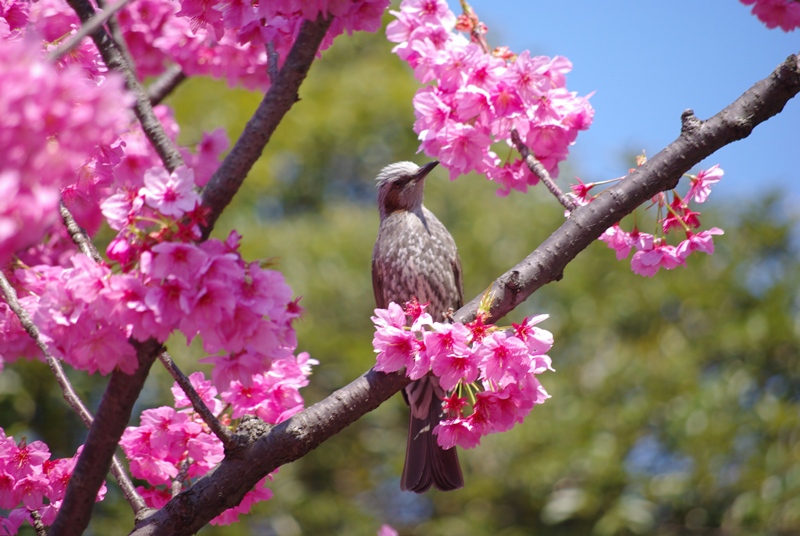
x: 424, y: 170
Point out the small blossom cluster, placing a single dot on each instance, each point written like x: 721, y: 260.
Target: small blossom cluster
x: 652, y: 252
x: 52, y: 122
x: 172, y: 445
x: 492, y: 370
x: 30, y: 482
x: 774, y: 13
x: 478, y: 97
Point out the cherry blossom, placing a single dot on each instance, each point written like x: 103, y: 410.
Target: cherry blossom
x: 654, y: 252
x: 31, y: 482
x: 774, y: 13
x: 51, y: 123
x: 497, y: 367
x: 477, y: 98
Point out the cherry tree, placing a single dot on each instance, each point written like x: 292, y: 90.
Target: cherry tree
x: 75, y: 158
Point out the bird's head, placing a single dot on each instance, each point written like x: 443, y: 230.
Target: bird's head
x: 400, y: 187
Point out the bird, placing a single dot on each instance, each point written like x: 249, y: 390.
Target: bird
x: 416, y: 257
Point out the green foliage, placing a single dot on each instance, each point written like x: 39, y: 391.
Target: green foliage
x: 673, y: 402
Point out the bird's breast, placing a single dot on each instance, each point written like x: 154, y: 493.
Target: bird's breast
x: 416, y: 257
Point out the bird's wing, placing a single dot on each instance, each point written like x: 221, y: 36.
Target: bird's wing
x: 456, y: 263
x: 377, y: 285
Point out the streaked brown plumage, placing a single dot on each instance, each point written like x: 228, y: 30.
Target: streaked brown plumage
x: 415, y: 256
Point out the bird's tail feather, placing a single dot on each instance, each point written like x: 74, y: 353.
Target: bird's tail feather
x: 427, y: 464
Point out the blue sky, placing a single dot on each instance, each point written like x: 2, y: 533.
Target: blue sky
x: 649, y: 60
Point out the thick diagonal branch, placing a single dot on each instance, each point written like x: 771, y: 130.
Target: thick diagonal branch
x: 280, y: 97
x: 264, y: 449
x: 291, y: 440
x: 697, y: 140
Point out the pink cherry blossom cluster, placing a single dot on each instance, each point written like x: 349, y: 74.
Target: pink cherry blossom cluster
x: 274, y: 395
x: 652, y: 252
x: 478, y: 97
x: 52, y: 122
x: 490, y: 369
x: 774, y: 13
x: 171, y: 446
x: 228, y: 38
x: 87, y: 312
x: 223, y: 39
x: 31, y: 482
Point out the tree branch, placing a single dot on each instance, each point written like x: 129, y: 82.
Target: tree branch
x: 280, y: 97
x: 222, y: 432
x: 264, y: 449
x: 272, y: 62
x: 115, y: 61
x: 101, y: 442
x: 72, y: 398
x: 540, y: 171
x: 90, y: 26
x: 118, y: 37
x: 268, y: 448
x: 165, y: 84
x: 78, y: 235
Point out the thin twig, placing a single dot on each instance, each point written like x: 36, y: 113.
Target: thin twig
x: 180, y: 478
x: 541, y: 173
x: 38, y: 526
x: 91, y: 26
x: 165, y: 84
x: 79, y: 236
x: 119, y: 37
x: 222, y: 432
x: 72, y: 398
x: 115, y: 61
x: 272, y: 62
x: 475, y: 33
x: 10, y: 295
